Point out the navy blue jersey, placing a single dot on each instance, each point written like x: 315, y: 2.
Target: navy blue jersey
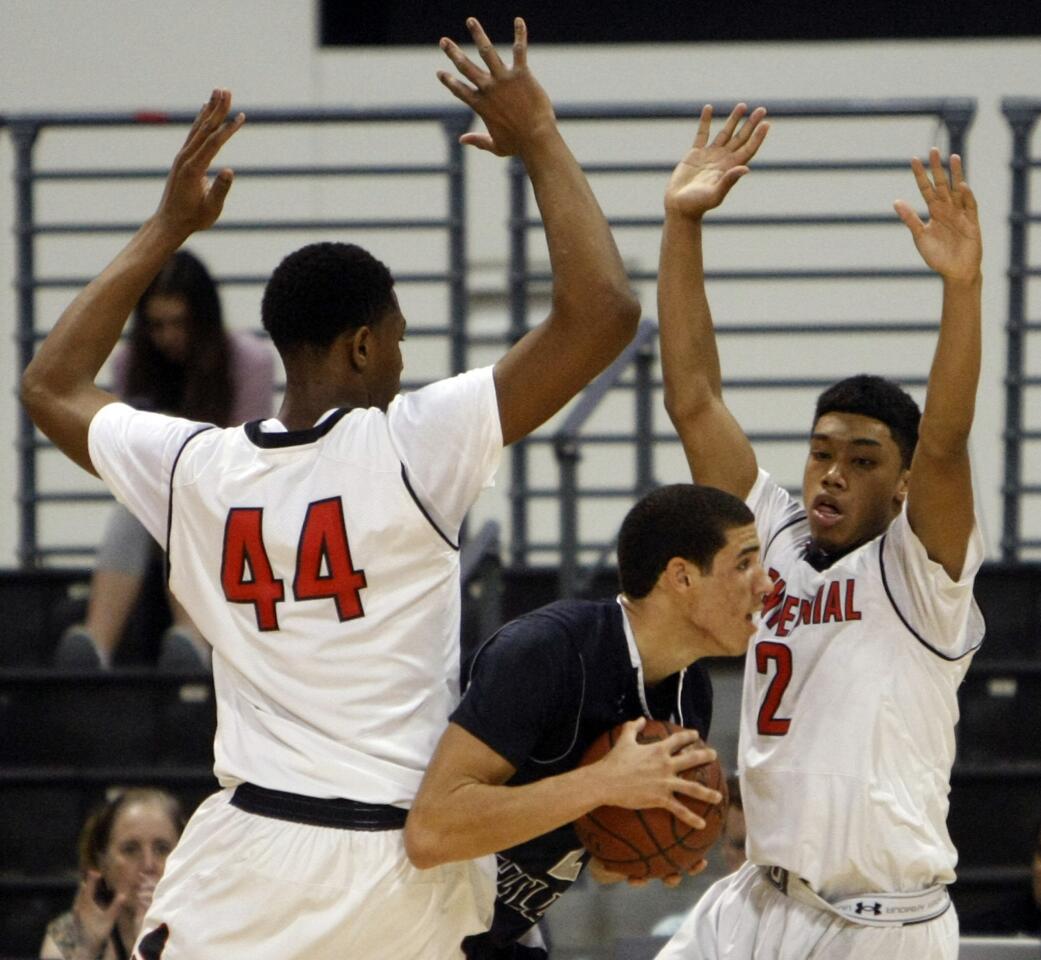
x: 539, y: 692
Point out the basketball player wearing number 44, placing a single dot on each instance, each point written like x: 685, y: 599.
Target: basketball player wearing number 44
x: 850, y: 693
x: 506, y: 776
x: 318, y: 551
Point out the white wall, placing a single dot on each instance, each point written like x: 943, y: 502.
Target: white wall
x: 60, y: 56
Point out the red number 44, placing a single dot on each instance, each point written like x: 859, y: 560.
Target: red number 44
x: 324, y: 569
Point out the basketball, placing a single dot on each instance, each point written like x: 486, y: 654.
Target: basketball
x: 652, y: 843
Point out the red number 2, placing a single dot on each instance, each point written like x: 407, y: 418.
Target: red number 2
x: 770, y: 724
x: 247, y: 576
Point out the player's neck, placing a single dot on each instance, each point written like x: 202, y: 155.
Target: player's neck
x: 317, y: 381
x: 660, y: 637
x: 303, y: 413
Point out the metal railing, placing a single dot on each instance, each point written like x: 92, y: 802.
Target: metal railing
x: 952, y: 116
x: 1020, y: 481
x: 572, y: 547
x: 30, y: 178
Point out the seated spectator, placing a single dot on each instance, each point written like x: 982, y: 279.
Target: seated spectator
x: 179, y: 360
x: 122, y: 854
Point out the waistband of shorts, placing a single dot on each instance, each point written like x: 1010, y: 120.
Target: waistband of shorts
x: 338, y: 813
x: 868, y: 909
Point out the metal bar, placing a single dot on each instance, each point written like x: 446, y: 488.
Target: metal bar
x: 239, y: 226
x: 160, y: 173
x: 1020, y: 202
x: 680, y: 110
x: 24, y: 136
x: 228, y: 280
x: 457, y: 263
x: 773, y: 220
x: 806, y: 109
x: 257, y: 116
x: 838, y: 273
x: 644, y: 419
x: 770, y: 166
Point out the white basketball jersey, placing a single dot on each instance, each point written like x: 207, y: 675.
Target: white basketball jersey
x: 321, y: 565
x: 849, y: 706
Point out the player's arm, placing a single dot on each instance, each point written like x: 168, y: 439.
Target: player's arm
x: 58, y: 388
x: 940, y: 499
x: 593, y: 313
x: 717, y: 449
x: 464, y: 808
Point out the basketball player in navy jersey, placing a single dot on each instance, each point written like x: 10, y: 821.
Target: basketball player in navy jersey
x: 317, y: 551
x: 850, y: 695
x: 506, y: 777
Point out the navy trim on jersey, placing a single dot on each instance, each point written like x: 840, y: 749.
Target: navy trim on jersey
x: 799, y: 517
x: 925, y: 643
x: 169, y: 502
x: 274, y: 439
x: 578, y: 721
x: 423, y: 510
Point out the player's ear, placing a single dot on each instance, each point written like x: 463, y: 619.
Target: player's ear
x: 679, y: 574
x: 360, y: 346
x: 901, y: 487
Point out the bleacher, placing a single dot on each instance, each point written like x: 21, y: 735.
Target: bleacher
x: 67, y: 738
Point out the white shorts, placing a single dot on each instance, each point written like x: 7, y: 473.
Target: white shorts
x: 744, y: 917
x: 242, y: 885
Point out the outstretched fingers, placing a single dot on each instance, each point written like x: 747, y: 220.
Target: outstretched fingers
x: 911, y: 219
x: 704, y: 126
x: 940, y: 187
x: 464, y: 65
x: 485, y: 48
x: 520, y: 44
x: 211, y: 130
x: 751, y: 136
x: 730, y: 126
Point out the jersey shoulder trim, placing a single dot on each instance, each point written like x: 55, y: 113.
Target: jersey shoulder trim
x: 169, y: 500
x: 798, y: 518
x: 892, y: 600
x: 271, y: 440
x: 423, y: 510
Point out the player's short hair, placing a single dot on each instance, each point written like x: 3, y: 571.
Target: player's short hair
x: 323, y: 290
x: 880, y: 399
x: 679, y: 520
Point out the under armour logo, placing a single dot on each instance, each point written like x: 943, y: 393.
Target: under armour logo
x: 875, y: 908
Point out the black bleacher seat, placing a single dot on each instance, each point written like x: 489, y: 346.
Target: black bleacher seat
x: 26, y: 907
x: 1010, y: 597
x: 35, y: 605
x: 1000, y: 706
x: 995, y: 809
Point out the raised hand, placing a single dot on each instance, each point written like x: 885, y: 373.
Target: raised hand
x: 950, y: 242
x: 94, y: 922
x: 191, y: 201
x: 510, y: 101
x: 703, y: 178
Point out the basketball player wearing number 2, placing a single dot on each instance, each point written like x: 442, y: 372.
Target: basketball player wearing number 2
x: 849, y: 705
x: 318, y: 551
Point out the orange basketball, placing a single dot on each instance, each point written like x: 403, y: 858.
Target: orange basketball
x: 646, y: 844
